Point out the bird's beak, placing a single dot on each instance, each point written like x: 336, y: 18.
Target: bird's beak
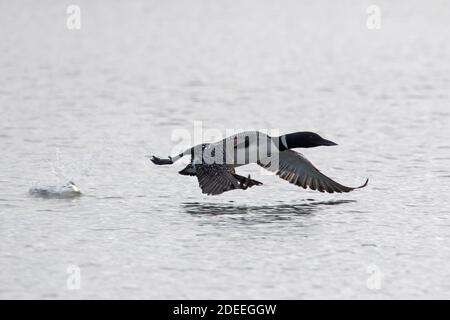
x: 326, y: 142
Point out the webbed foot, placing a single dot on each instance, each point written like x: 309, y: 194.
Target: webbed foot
x: 160, y: 161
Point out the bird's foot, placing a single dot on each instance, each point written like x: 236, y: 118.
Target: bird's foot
x: 160, y: 161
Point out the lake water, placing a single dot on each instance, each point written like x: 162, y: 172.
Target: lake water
x: 87, y: 105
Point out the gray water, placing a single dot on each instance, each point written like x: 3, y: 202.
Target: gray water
x: 87, y: 105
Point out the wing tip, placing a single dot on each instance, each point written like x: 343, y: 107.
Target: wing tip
x: 365, y: 184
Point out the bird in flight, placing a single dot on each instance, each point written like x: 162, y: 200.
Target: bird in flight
x: 214, y: 163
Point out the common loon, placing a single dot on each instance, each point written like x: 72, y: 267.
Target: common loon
x: 214, y: 163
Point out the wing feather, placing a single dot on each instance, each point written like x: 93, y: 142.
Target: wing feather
x: 215, y: 179
x: 298, y: 170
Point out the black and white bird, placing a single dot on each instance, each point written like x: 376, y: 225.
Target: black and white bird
x: 214, y: 163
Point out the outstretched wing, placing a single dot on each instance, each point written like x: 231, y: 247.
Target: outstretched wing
x: 296, y: 169
x: 215, y: 179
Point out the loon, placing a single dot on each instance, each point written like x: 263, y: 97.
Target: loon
x: 214, y: 163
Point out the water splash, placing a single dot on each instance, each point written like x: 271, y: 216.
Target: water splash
x: 58, y: 181
x: 68, y: 190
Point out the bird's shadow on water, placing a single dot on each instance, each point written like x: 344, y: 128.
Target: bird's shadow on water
x: 252, y: 214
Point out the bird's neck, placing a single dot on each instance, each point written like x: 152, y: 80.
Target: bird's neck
x: 292, y: 141
x: 281, y: 142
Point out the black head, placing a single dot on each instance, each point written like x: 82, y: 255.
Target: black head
x: 303, y: 140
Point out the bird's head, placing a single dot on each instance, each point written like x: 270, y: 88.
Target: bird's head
x: 304, y: 139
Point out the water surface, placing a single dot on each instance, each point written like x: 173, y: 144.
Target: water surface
x: 88, y: 105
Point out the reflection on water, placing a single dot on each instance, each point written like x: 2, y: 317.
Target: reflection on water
x: 195, y: 208
x: 258, y: 213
